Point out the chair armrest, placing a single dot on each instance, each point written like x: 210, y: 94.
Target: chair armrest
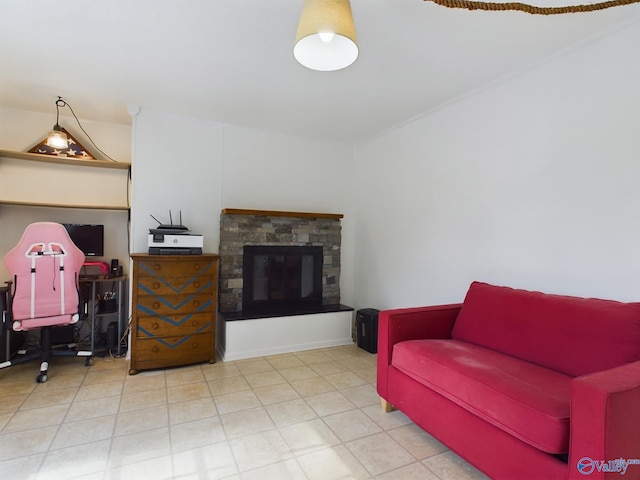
x: 605, y: 414
x: 410, y: 324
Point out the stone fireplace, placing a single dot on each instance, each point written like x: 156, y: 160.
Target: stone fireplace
x: 241, y: 228
x: 287, y: 297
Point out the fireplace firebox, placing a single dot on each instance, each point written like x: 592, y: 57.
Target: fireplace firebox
x: 281, y: 278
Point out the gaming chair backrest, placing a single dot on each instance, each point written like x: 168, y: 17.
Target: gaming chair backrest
x: 45, y: 266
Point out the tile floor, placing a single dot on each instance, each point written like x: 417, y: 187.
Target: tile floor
x: 307, y: 415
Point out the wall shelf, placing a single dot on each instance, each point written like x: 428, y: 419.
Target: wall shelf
x: 63, y: 205
x: 36, y: 180
x: 37, y: 157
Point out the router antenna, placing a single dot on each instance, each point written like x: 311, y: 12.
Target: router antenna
x: 170, y: 219
x: 180, y: 217
x: 159, y: 222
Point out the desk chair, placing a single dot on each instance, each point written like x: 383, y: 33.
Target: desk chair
x: 44, y: 267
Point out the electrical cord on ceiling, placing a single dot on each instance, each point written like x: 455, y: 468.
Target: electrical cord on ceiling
x: 531, y: 9
x: 62, y: 103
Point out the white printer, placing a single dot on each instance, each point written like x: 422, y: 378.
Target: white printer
x: 174, y: 240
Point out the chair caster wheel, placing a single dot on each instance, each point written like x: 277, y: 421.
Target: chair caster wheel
x: 88, y: 362
x: 43, y: 377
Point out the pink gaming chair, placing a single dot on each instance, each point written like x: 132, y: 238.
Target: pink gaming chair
x: 44, y: 293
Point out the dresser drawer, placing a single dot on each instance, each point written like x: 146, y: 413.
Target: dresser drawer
x: 167, y: 269
x: 170, y: 351
x: 174, y: 285
x: 174, y: 304
x: 172, y: 325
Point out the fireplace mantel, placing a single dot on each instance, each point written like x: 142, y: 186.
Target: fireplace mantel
x: 275, y: 213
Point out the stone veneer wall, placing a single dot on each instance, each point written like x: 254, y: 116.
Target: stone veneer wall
x: 238, y: 230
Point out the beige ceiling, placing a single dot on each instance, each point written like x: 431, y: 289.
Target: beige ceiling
x: 231, y: 60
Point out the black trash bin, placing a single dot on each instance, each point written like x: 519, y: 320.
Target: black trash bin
x: 367, y: 329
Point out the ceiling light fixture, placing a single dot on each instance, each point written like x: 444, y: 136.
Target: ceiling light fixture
x: 532, y: 9
x: 326, y: 37
x: 57, y: 138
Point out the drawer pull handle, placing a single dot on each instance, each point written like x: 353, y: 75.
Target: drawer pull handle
x: 196, y: 266
x: 155, y: 326
x: 195, y: 323
x: 156, y: 285
x: 157, y: 266
x: 196, y: 284
x: 155, y: 349
x: 196, y: 303
x: 156, y: 304
x: 194, y: 345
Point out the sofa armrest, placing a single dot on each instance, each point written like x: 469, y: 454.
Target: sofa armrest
x: 605, y: 414
x: 410, y: 324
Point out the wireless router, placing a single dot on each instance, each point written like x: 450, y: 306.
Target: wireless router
x: 171, y: 228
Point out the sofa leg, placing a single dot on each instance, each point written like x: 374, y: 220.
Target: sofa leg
x: 386, y: 406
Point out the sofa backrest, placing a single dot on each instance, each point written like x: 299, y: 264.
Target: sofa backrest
x: 572, y: 335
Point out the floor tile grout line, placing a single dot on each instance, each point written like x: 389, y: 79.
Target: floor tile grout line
x: 59, y: 426
x: 349, y: 363
x: 114, y: 428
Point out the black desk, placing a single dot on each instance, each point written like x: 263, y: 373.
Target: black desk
x: 10, y: 341
x: 96, y: 309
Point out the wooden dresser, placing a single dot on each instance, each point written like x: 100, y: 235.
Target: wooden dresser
x: 173, y: 310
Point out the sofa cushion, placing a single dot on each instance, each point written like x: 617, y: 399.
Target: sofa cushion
x: 526, y: 400
x: 572, y: 335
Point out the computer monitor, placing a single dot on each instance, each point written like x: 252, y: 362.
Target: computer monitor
x: 87, y: 237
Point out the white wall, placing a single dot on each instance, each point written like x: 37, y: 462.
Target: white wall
x: 177, y: 167
x: 213, y: 166
x: 531, y: 183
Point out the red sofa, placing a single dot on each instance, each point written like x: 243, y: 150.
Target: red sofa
x: 520, y: 384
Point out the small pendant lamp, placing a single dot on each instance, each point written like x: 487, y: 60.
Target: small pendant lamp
x: 326, y: 37
x: 56, y: 137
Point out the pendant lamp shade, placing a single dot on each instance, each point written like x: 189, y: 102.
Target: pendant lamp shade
x: 57, y: 138
x: 326, y: 38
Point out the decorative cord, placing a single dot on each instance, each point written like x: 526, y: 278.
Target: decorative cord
x: 532, y: 9
x: 62, y: 103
